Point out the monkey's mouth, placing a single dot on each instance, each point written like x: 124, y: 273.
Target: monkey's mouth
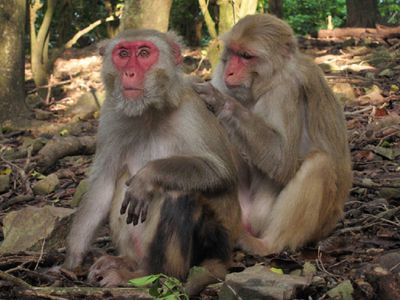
x: 132, y: 93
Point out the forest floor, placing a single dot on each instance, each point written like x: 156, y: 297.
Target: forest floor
x: 363, y: 250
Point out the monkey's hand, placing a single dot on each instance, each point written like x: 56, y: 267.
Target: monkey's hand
x: 214, y: 99
x: 137, y: 198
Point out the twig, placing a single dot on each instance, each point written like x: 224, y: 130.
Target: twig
x: 360, y: 111
x: 21, y: 172
x: 93, y: 92
x: 47, y: 100
x: 15, y: 280
x: 321, y: 266
x: 374, y: 185
x: 355, y: 228
x: 50, y: 85
x: 41, y: 254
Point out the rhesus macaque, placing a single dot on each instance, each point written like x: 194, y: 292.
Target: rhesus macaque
x: 181, y: 193
x: 295, y: 169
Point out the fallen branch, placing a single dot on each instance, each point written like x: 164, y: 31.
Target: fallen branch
x: 373, y: 185
x: 71, y: 292
x: 61, y: 147
x: 380, y: 32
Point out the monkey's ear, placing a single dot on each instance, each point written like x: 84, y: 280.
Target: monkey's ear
x: 175, y: 43
x: 101, y: 46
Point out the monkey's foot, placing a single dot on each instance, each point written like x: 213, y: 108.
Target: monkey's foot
x: 112, y: 271
x: 253, y: 245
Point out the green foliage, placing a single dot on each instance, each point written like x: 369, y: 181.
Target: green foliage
x: 183, y: 18
x: 70, y: 16
x: 309, y: 16
x: 390, y: 11
x: 161, y: 287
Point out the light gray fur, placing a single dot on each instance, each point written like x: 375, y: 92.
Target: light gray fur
x: 168, y: 120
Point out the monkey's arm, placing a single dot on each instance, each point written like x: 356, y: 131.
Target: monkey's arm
x: 186, y: 174
x: 92, y: 211
x: 266, y: 145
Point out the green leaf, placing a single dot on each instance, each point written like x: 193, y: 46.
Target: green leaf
x: 169, y: 297
x: 144, y: 281
x: 37, y: 175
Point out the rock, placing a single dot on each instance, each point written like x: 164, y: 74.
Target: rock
x: 370, y: 75
x: 389, y: 153
x: 386, y: 73
x: 343, y: 291
x: 43, y: 114
x: 26, y: 229
x: 344, y: 92
x: 87, y: 105
x: 80, y: 191
x: 46, y: 185
x: 326, y: 68
x: 4, y: 183
x: 258, y: 282
x: 318, y: 281
x: 309, y: 269
x: 373, y: 96
x: 33, y: 100
x: 389, y: 193
x: 36, y: 144
x: 390, y: 261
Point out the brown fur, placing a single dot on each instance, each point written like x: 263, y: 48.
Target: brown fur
x: 180, y: 168
x: 294, y: 168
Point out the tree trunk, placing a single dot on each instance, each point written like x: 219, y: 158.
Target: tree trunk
x: 275, y: 7
x: 230, y: 12
x: 146, y: 14
x: 362, y: 13
x: 12, y: 31
x: 41, y: 65
x: 208, y: 19
x: 112, y: 27
x: 227, y: 15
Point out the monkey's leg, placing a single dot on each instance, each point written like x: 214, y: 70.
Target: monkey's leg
x: 307, y: 207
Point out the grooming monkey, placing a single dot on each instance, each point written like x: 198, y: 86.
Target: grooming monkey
x: 181, y: 195
x: 295, y: 169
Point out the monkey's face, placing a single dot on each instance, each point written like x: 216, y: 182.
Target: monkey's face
x: 236, y: 73
x: 133, y: 60
x: 137, y: 73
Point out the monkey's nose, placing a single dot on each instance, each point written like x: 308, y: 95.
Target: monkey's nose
x: 129, y: 74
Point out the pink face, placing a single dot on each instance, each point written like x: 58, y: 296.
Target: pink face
x: 237, y: 66
x: 133, y: 60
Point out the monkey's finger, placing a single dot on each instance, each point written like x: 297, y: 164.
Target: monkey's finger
x: 143, y: 215
x: 131, y: 211
x: 138, y: 210
x: 124, y: 204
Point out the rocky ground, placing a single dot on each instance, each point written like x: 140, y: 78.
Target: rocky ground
x: 41, y: 168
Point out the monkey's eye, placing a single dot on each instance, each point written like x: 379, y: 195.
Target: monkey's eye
x: 245, y: 55
x: 144, y: 52
x: 123, y: 53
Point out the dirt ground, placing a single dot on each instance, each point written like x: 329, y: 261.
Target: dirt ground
x: 364, y: 248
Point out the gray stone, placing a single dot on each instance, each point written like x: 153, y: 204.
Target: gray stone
x: 80, y: 191
x: 46, y: 185
x: 30, y: 227
x: 258, y: 282
x: 343, y: 291
x: 4, y: 183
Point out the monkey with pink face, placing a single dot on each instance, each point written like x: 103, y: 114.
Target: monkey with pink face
x: 294, y: 162
x: 162, y: 163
